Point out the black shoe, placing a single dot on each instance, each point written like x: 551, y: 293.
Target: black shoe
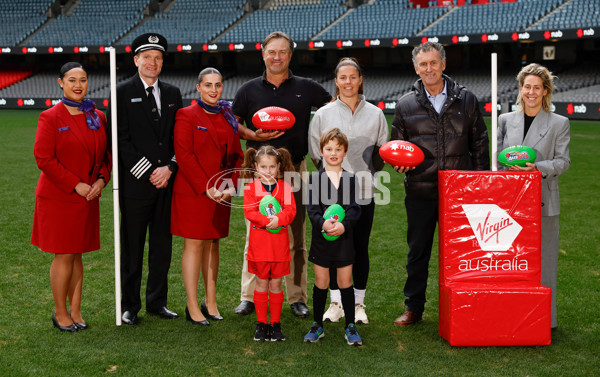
x: 163, y: 312
x: 276, y: 334
x: 300, y: 309
x: 205, y: 312
x: 70, y: 328
x: 130, y: 318
x: 81, y: 325
x: 189, y: 318
x: 262, y: 332
x: 244, y: 308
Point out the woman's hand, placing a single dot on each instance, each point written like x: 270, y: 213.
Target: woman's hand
x: 83, y: 189
x: 227, y: 194
x: 273, y: 222
x: 529, y: 167
x: 214, y: 194
x: 95, y: 189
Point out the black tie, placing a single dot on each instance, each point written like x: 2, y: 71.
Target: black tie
x: 155, y: 114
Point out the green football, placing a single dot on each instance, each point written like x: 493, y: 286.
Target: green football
x: 334, y: 211
x: 516, y: 155
x: 269, y: 206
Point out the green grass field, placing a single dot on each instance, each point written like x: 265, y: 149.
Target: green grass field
x: 29, y: 345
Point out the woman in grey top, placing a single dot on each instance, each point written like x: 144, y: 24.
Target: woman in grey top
x: 366, y: 128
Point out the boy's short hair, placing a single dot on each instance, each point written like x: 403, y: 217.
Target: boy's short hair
x: 337, y: 135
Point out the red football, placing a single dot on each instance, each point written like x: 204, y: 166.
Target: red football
x: 273, y: 118
x: 401, y: 153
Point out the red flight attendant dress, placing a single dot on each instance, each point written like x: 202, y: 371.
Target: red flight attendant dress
x: 68, y: 152
x: 207, y: 150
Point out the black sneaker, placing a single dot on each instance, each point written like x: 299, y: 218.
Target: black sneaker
x: 276, y: 334
x: 262, y: 332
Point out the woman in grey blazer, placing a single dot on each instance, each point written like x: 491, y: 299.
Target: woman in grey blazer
x: 547, y: 133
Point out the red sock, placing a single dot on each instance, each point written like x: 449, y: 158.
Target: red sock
x: 261, y: 305
x: 275, y: 305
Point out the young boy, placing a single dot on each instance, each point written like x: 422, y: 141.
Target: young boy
x: 332, y: 185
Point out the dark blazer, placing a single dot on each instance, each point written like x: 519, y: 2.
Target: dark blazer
x: 141, y: 148
x: 63, y: 156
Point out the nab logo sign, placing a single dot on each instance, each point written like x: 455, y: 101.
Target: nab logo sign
x: 494, y: 229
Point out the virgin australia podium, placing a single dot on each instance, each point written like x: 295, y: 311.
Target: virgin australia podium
x: 490, y: 259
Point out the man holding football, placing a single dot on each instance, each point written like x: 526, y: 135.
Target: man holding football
x: 278, y: 86
x: 443, y: 119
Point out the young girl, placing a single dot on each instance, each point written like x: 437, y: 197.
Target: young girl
x: 332, y: 185
x: 268, y: 253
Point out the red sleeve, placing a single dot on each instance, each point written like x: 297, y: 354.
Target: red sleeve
x: 187, y: 161
x: 251, y: 200
x: 106, y: 166
x: 44, y: 151
x: 285, y: 197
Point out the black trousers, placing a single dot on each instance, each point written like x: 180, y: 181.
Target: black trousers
x: 362, y: 232
x: 422, y: 217
x: 138, y: 216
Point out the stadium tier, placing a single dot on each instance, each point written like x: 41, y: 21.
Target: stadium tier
x: 584, y: 13
x: 312, y: 23
x: 19, y: 19
x: 191, y: 21
x: 117, y: 22
x: 505, y: 17
x: 383, y: 19
x: 581, y: 82
x: 10, y: 77
x: 302, y: 22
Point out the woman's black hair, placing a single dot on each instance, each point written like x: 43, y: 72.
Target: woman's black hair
x: 67, y: 67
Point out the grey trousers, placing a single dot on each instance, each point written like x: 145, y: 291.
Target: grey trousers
x: 550, y: 258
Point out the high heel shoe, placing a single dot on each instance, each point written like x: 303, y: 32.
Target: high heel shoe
x: 81, y: 325
x: 205, y: 312
x: 189, y: 318
x: 70, y: 328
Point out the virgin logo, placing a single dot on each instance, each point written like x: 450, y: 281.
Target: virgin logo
x: 264, y: 117
x: 494, y: 228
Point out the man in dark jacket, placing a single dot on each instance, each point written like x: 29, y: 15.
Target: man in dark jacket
x: 146, y: 108
x: 443, y: 119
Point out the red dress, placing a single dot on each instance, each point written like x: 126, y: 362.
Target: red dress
x: 264, y: 246
x: 68, y: 152
x: 207, y: 150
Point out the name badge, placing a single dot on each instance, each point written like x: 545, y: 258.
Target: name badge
x: 136, y: 100
x: 63, y: 129
x: 202, y: 128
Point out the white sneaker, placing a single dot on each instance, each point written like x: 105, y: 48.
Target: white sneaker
x: 334, y: 313
x: 360, y: 316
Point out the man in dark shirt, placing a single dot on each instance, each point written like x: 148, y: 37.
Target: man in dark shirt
x: 279, y: 87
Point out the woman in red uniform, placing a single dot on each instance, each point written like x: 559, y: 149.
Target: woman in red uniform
x: 207, y: 148
x: 70, y: 149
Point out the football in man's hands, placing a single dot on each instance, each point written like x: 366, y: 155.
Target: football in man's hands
x: 401, y: 153
x: 518, y: 155
x: 273, y: 119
